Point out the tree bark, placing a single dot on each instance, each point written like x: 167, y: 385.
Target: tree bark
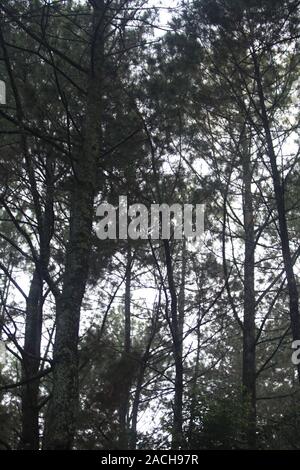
x: 176, y: 331
x: 30, y: 365
x: 249, y: 337
x: 124, y: 406
x: 33, y: 326
x: 62, y: 413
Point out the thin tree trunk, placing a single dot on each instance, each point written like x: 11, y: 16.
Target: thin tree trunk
x: 280, y: 204
x: 191, y: 427
x: 177, y: 436
x: 30, y: 365
x: 124, y: 406
x: 4, y: 292
x: 136, y: 400
x: 181, y: 295
x: 249, y: 337
x: 62, y: 413
x: 139, y: 386
x: 33, y: 326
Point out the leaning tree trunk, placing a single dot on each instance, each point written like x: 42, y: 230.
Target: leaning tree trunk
x: 249, y: 339
x: 280, y: 204
x: 62, y: 413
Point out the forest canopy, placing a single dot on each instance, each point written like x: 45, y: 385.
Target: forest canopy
x: 145, y: 342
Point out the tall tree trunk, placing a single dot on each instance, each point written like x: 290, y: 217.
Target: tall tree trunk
x: 136, y: 403
x: 139, y: 385
x: 30, y: 365
x: 62, y: 413
x: 33, y: 326
x: 280, y: 204
x: 249, y: 337
x: 31, y: 353
x: 181, y: 294
x: 176, y: 331
x: 124, y: 406
x: 191, y: 427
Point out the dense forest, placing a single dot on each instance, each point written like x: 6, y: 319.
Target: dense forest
x: 123, y: 342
